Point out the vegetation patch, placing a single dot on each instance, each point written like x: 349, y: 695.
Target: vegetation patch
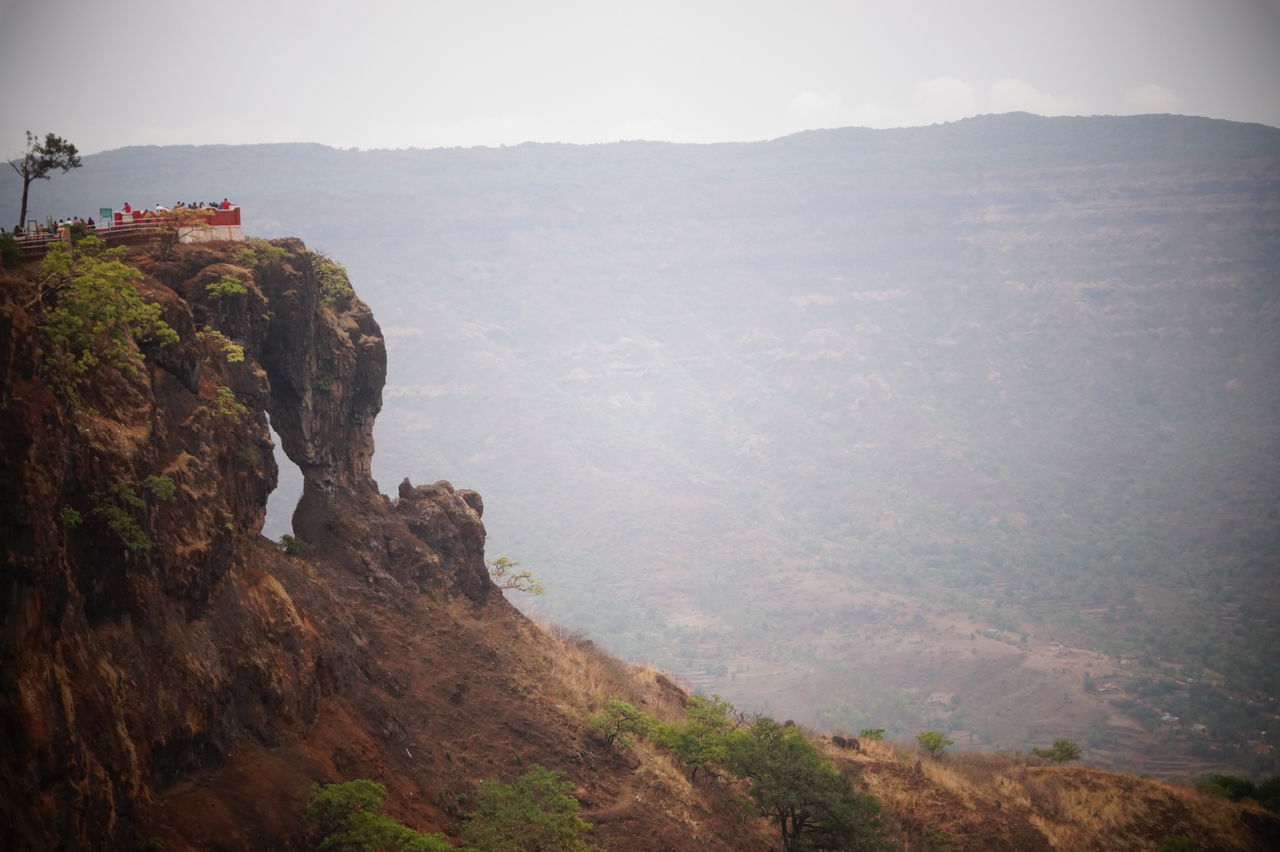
x: 348, y: 818
x: 332, y: 278
x: 225, y: 287
x: 232, y: 351
x: 97, y: 315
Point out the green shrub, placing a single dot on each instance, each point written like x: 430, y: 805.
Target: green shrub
x: 875, y: 734
x: 122, y: 525
x: 226, y: 404
x: 505, y: 576
x: 934, y: 742
x: 1231, y: 787
x: 332, y: 278
x: 9, y: 251
x: 161, y: 487
x: 264, y: 253
x: 348, y: 818
x: 812, y: 804
x: 232, y: 351
x: 702, y: 741
x: 292, y: 545
x: 618, y: 719
x: 225, y: 287
x: 535, y: 812
x: 97, y: 314
x: 1062, y: 751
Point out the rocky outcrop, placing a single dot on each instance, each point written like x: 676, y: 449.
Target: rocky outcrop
x: 148, y: 629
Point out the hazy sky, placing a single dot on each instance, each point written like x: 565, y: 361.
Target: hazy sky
x: 373, y: 73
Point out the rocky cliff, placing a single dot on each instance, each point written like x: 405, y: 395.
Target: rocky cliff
x: 170, y: 678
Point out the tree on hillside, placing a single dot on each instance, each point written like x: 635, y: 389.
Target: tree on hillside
x: 1062, y: 751
x: 620, y: 718
x: 40, y: 158
x: 703, y: 741
x: 536, y: 812
x: 934, y: 742
x: 347, y: 818
x: 812, y: 804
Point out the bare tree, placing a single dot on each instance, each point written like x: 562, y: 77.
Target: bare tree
x: 40, y: 158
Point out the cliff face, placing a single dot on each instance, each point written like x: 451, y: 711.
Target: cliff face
x: 169, y: 674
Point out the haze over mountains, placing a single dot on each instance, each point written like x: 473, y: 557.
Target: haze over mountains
x: 829, y: 424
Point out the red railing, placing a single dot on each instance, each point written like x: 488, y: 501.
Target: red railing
x: 123, y: 232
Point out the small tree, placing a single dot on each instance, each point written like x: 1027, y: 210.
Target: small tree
x: 1062, y: 751
x: 934, y: 742
x: 618, y: 719
x: 505, y: 576
x: 39, y: 159
x: 702, y: 741
x: 348, y: 818
x: 534, y: 813
x: 876, y: 734
x: 813, y: 805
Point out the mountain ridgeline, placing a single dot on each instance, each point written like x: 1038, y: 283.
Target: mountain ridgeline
x: 969, y: 427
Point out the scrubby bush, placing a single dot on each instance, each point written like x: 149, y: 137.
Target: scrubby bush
x: 9, y: 251
x: 505, y: 576
x: 232, y: 351
x: 702, y: 741
x: 97, y: 314
x: 292, y: 545
x: 1062, y: 751
x: 934, y: 742
x: 161, y: 487
x: 533, y: 813
x: 226, y: 404
x: 348, y: 818
x: 619, y: 719
x: 263, y: 253
x: 332, y: 278
x: 813, y: 805
x: 225, y: 287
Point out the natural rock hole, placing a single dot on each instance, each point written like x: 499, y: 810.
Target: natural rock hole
x: 284, y: 499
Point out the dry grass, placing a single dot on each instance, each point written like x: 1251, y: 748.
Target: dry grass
x: 984, y: 801
x: 590, y: 676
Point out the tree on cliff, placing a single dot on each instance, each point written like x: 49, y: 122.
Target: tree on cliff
x: 40, y: 158
x: 505, y: 576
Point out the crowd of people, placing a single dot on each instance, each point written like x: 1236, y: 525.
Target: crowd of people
x: 53, y: 227
x: 224, y: 204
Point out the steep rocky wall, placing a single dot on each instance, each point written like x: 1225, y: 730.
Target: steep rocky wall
x: 145, y: 639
